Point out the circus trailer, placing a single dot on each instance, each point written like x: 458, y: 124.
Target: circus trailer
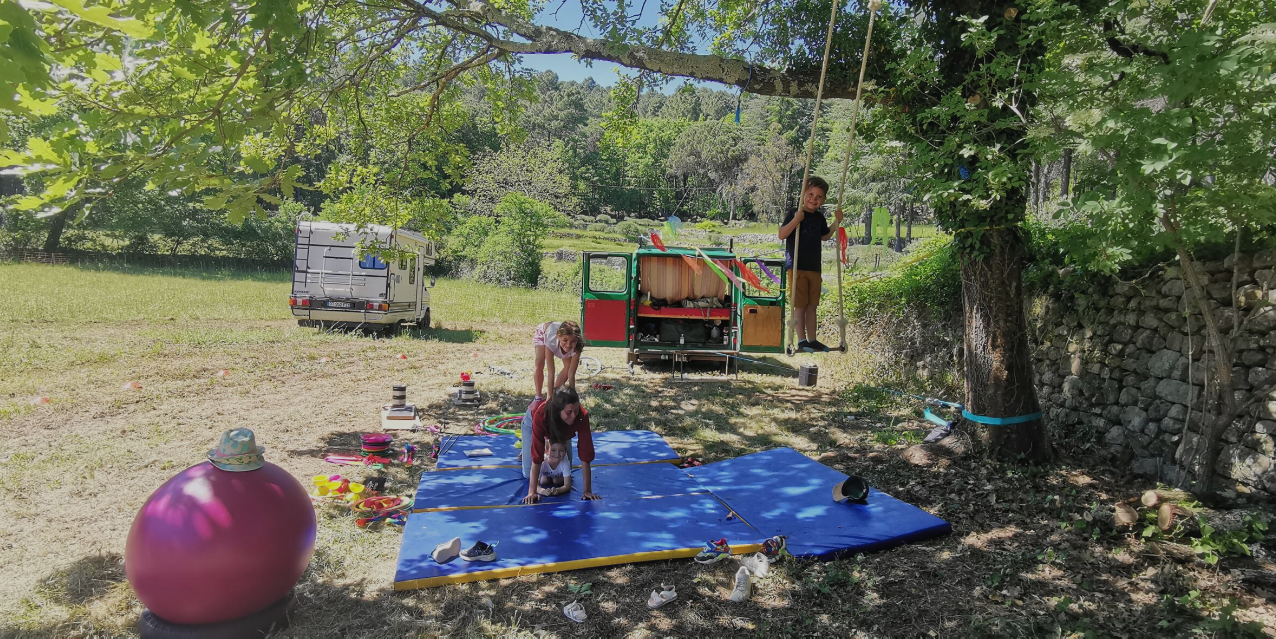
x: 671, y: 305
x: 337, y: 283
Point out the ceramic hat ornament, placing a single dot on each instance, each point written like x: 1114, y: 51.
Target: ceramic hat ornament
x: 237, y: 451
x: 853, y: 490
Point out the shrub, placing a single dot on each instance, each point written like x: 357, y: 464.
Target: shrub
x: 511, y: 256
x: 708, y: 225
x: 597, y: 227
x: 630, y: 230
x: 929, y: 278
x: 604, y: 218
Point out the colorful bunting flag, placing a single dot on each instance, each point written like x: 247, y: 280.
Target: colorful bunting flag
x: 842, y: 242
x: 655, y: 239
x: 750, y: 277
x: 767, y: 271
x: 695, y: 264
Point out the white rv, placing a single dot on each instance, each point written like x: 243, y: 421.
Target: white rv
x: 335, y: 284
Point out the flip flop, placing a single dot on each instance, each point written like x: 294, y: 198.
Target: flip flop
x: 575, y: 612
x: 661, y: 597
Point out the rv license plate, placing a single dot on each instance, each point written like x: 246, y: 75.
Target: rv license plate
x: 340, y: 305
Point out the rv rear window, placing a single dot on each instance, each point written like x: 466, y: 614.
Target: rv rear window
x: 371, y: 261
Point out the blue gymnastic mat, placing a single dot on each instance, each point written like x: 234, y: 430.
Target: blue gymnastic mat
x: 610, y: 447
x: 565, y: 536
x: 491, y: 487
x: 783, y: 492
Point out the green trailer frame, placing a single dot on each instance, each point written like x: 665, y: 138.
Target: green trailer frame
x: 611, y: 306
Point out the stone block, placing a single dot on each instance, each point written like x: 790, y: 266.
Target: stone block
x: 1094, y: 368
x: 1152, y: 428
x: 1253, y: 358
x: 1172, y: 288
x: 1167, y: 303
x: 1265, y: 259
x: 1143, y: 338
x: 1260, y: 443
x: 1248, y: 295
x: 1172, y: 390
x: 1131, y: 380
x: 1162, y: 363
x: 1124, y: 289
x: 1174, y: 319
x: 1234, y: 433
x: 1226, y: 318
x: 1240, y: 377
x: 1243, y: 464
x: 1187, y: 455
x: 1101, y: 329
x: 1148, y: 388
x: 1220, y: 291
x: 1263, y: 320
x: 1221, y: 276
x: 1238, y: 261
x: 1111, y: 414
x: 1172, y: 272
x: 1116, y: 436
x: 1133, y: 419
x: 1171, y: 426
x: 1259, y: 377
x: 1149, y: 303
x: 1159, y: 409
x: 1072, y: 388
x: 1180, y: 369
x: 1140, y: 445
x: 1265, y: 278
x: 1175, y: 341
x: 1122, y: 333
x: 1263, y: 427
x: 1178, y: 411
x: 1146, y: 467
x: 1129, y: 396
x: 1158, y: 342
x: 1115, y: 348
x: 1131, y: 318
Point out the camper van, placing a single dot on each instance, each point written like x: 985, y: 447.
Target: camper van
x: 659, y: 307
x: 336, y: 284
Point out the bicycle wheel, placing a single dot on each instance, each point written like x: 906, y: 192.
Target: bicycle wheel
x: 589, y: 366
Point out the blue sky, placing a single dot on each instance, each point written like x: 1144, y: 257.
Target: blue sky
x: 567, y: 16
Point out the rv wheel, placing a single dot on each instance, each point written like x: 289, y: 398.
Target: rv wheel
x: 425, y: 320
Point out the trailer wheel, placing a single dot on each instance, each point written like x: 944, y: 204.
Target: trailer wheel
x: 425, y: 321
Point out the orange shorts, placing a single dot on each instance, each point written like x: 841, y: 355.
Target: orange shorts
x: 806, y: 288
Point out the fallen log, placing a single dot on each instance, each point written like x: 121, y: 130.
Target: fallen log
x: 1151, y: 498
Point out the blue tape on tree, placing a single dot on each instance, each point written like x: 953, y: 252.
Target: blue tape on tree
x: 1000, y: 421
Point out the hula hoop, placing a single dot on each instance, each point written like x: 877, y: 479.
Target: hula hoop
x: 509, y: 424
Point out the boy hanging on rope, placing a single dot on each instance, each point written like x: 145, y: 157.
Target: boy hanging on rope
x: 806, y: 278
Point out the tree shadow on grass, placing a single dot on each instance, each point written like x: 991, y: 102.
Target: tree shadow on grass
x: 90, y: 597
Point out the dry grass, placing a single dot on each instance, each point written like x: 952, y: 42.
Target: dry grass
x: 76, y: 471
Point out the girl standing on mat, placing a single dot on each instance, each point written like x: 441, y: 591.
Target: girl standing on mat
x: 561, y: 340
x: 560, y: 419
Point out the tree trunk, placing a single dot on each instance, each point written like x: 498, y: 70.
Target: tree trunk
x: 1036, y: 185
x: 910, y: 223
x: 1065, y: 180
x: 868, y: 225
x: 53, y: 241
x: 898, y: 218
x: 999, y: 376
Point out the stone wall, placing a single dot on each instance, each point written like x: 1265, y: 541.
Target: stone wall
x: 1128, y: 361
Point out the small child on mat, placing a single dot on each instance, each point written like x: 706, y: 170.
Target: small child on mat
x: 556, y: 472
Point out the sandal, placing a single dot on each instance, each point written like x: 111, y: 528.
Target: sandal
x: 575, y: 612
x: 661, y: 597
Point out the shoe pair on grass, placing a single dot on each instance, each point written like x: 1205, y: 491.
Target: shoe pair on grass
x: 813, y: 346
x: 450, y: 550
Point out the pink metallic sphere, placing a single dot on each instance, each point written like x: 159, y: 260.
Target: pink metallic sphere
x: 212, y: 545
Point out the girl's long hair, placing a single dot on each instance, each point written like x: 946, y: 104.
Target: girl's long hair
x: 554, y: 427
x: 570, y: 327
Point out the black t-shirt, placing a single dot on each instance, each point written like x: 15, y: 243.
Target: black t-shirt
x: 813, y: 228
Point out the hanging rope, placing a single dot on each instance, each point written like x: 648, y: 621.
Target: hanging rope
x: 873, y: 6
x: 806, y: 173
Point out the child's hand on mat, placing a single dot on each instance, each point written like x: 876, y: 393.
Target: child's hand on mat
x: 544, y: 491
x: 591, y: 496
x: 531, y: 498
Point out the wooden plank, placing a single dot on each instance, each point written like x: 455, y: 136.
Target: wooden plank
x: 763, y: 326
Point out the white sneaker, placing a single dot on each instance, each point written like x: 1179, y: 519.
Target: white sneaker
x: 743, y: 586
x: 756, y: 564
x: 444, y: 553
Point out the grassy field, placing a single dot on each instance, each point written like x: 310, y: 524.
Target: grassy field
x: 76, y: 470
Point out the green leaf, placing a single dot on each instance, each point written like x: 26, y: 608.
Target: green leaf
x: 29, y: 203
x: 102, y: 16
